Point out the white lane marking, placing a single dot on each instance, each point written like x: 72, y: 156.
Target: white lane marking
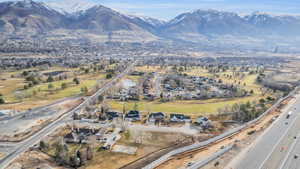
x: 289, y: 152
x: 280, y: 139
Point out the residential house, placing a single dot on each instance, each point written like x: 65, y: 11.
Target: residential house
x: 133, y: 115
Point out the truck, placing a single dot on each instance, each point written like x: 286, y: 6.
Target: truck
x: 289, y: 114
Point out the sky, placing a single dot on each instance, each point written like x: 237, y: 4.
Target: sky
x: 167, y: 9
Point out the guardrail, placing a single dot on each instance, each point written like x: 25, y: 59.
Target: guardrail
x: 216, y: 155
x: 227, y: 134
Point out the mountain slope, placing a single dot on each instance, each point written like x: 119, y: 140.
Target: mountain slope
x: 105, y: 21
x: 98, y: 23
x: 28, y: 17
x: 70, y: 6
x: 207, y: 22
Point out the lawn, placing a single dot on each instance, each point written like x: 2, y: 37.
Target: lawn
x: 148, y: 69
x: 192, y: 108
x: 40, y: 94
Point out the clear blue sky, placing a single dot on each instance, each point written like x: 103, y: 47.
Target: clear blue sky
x: 166, y: 9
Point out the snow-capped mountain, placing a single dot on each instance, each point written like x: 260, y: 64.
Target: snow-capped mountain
x: 29, y: 17
x: 71, y: 6
x: 218, y: 23
x: 206, y: 22
x: 81, y: 17
x: 149, y: 20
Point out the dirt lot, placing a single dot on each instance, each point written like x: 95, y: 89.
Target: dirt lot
x: 145, y: 144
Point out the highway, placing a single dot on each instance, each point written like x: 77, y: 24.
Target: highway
x: 272, y: 148
x: 34, y: 139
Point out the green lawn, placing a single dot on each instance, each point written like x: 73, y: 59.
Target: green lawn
x: 72, y: 89
x: 193, y: 108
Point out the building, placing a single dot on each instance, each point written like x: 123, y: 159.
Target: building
x: 156, y: 117
x: 179, y: 118
x: 133, y: 115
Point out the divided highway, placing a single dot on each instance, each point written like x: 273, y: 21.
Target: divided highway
x: 25, y: 145
x: 272, y: 149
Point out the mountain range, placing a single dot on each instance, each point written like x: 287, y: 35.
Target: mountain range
x: 95, y: 22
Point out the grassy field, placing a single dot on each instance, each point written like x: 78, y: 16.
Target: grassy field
x: 192, y: 108
x: 72, y: 89
x: 149, y: 69
x: 39, y: 95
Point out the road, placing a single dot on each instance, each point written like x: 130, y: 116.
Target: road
x: 290, y: 162
x: 157, y: 84
x: 270, y: 149
x: 34, y: 139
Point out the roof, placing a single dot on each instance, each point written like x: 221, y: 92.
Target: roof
x: 157, y: 115
x: 178, y: 116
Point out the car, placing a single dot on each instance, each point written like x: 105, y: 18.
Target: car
x: 295, y: 156
x: 289, y: 114
x: 189, y: 164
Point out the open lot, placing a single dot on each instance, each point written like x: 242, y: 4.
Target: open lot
x: 193, y: 108
x: 19, y: 98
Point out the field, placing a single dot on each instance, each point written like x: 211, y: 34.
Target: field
x: 19, y: 98
x: 192, y: 108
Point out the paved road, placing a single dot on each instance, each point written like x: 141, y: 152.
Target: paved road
x: 157, y: 84
x: 25, y: 145
x: 290, y: 162
x: 271, y: 148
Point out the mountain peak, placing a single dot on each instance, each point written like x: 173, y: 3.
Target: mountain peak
x: 71, y: 6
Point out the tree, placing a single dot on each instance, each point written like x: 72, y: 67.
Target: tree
x: 84, y: 90
x: 64, y: 85
x: 76, y: 116
x: 109, y: 76
x: 26, y: 87
x: 100, y: 98
x: 50, y: 79
x: 61, y: 154
x: 50, y: 86
x: 43, y: 146
x: 76, y: 81
x: 25, y: 73
x: 262, y: 101
x: 251, y: 92
x: 2, y: 101
x: 75, y: 161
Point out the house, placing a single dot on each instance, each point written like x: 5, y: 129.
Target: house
x: 73, y: 137
x: 149, y: 97
x: 179, y: 118
x: 111, y: 139
x: 80, y: 135
x: 133, y: 115
x: 156, y: 117
x: 112, y: 115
